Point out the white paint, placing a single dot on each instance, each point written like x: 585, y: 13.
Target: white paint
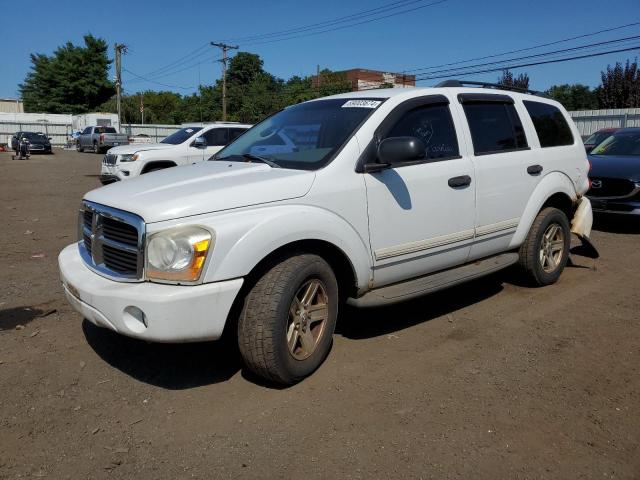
x: 393, y: 225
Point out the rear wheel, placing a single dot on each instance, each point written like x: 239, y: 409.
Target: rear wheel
x: 286, y: 327
x: 545, y: 252
x: 96, y: 148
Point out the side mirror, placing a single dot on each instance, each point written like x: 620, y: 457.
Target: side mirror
x: 199, y: 142
x: 394, y: 150
x: 49, y: 138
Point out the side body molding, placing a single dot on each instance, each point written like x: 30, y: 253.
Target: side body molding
x: 552, y: 183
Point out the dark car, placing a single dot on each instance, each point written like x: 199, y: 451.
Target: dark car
x: 615, y: 173
x: 38, y: 142
x: 598, y: 137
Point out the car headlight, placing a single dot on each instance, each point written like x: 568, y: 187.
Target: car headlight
x: 178, y: 254
x: 129, y: 157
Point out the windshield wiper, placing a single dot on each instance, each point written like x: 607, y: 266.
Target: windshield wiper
x: 252, y: 157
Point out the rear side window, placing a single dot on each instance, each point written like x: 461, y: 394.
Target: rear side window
x: 495, y: 127
x: 550, y: 124
x: 433, y: 125
x: 235, y: 133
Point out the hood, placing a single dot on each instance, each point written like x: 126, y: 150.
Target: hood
x: 138, y: 147
x: 202, y: 188
x: 624, y: 166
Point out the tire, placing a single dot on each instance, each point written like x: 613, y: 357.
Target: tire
x: 275, y: 341
x: 545, y: 251
x: 96, y: 148
x: 79, y: 148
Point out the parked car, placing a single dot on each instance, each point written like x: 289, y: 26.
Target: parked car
x: 598, y: 137
x: 38, y: 142
x: 383, y: 196
x: 188, y: 145
x: 615, y: 174
x: 99, y: 139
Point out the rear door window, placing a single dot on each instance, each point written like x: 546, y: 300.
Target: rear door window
x: 495, y: 127
x: 550, y: 124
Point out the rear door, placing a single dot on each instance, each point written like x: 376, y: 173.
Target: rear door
x: 420, y: 217
x: 507, y: 169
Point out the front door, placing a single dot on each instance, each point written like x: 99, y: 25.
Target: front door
x: 421, y: 215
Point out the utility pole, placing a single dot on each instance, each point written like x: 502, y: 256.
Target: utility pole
x: 119, y: 49
x: 225, y: 48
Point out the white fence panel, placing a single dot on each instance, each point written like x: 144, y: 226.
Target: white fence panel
x: 589, y: 121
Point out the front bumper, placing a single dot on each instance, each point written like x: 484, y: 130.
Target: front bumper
x: 618, y: 206
x: 150, y: 311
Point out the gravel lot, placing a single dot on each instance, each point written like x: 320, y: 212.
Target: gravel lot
x: 487, y: 380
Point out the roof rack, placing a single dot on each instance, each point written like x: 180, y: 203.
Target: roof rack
x: 462, y: 83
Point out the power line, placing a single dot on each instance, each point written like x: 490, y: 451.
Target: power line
x: 538, y: 55
x: 157, y: 83
x: 310, y: 33
x: 522, y: 65
x: 197, y: 64
x: 185, y: 58
x: 542, y: 45
x: 326, y: 23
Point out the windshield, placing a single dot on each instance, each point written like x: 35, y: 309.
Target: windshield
x: 303, y: 136
x: 619, y: 144
x: 597, y: 137
x: 181, y: 135
x: 34, y: 136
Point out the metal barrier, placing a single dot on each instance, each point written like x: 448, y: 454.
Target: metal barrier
x: 155, y: 132
x: 59, y: 132
x: 589, y: 121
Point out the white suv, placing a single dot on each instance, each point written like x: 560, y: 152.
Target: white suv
x: 188, y: 145
x: 367, y: 197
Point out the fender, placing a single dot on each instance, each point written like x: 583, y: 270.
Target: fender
x: 552, y: 183
x: 244, y: 238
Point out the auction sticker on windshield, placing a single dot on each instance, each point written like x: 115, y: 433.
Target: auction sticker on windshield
x: 362, y: 104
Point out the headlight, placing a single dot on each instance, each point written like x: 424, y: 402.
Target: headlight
x: 178, y: 254
x: 129, y: 157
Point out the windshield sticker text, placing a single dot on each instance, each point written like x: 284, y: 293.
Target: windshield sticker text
x: 362, y: 104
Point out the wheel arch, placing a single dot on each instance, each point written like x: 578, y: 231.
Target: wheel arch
x: 246, y: 241
x: 554, y: 190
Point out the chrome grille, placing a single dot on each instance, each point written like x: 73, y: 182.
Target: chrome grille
x: 109, y: 159
x: 112, y: 242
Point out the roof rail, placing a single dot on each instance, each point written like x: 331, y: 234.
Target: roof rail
x: 462, y: 83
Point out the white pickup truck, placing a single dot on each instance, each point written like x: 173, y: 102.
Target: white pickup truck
x: 188, y: 145
x: 385, y: 195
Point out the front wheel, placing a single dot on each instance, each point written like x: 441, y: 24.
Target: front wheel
x: 286, y: 327
x: 545, y: 252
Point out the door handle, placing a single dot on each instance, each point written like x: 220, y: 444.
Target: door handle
x: 461, y: 181
x: 534, y: 169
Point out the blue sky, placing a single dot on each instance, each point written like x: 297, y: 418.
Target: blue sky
x: 162, y: 32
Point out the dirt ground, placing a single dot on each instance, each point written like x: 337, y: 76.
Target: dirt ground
x: 487, y: 380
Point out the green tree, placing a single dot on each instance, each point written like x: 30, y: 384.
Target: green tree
x: 574, y: 97
x: 508, y: 80
x: 73, y: 80
x: 620, y: 86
